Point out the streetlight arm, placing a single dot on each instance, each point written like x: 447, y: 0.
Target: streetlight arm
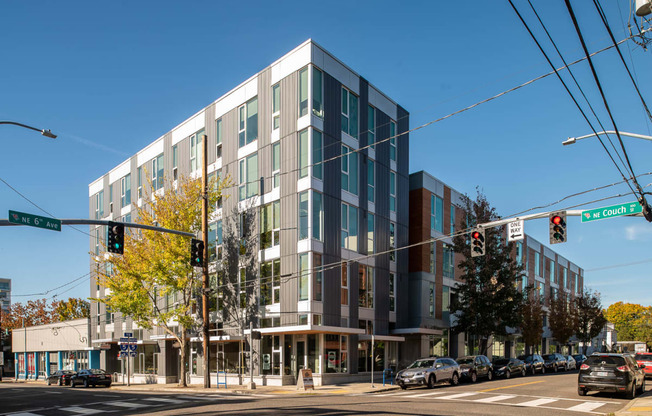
x: 46, y: 133
x: 572, y: 140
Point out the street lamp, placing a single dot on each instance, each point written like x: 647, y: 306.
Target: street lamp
x: 46, y: 133
x: 572, y: 140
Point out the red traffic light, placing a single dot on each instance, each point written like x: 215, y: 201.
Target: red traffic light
x: 556, y: 220
x: 475, y: 235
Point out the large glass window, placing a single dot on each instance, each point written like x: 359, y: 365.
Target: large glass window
x: 303, y: 92
x: 392, y: 241
x: 349, y: 227
x: 175, y: 162
x: 276, y: 106
x: 270, y: 282
x: 317, y: 155
x: 371, y: 126
x: 392, y: 292
x: 431, y: 300
x: 392, y: 191
x: 218, y: 139
x: 449, y: 262
x: 318, y: 277
x: 304, y: 147
x: 445, y: 303
x: 215, y: 241
x: 248, y: 122
x: 371, y: 180
x: 335, y: 353
x: 248, y: 177
x: 304, y: 276
x: 349, y: 170
x: 317, y: 93
x: 303, y: 215
x: 365, y: 286
x: 125, y: 190
x: 436, y: 213
x: 270, y: 225
x: 452, y: 219
x: 344, y: 292
x: 564, y: 273
x: 276, y: 164
x: 552, y: 276
x: 99, y: 205
x: 349, y: 113
x: 140, y: 182
x: 537, y: 264
x: 392, y: 140
x: 370, y: 233
x: 158, y: 172
x: 433, y: 256
x: 196, y: 151
x: 317, y: 216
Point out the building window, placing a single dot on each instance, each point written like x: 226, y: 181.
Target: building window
x: 158, y: 172
x: 519, y: 253
x: 345, y: 284
x: 433, y: 253
x: 370, y: 233
x: 392, y: 241
x: 392, y: 140
x: 99, y: 205
x: 125, y: 190
x: 140, y: 182
x: 553, y: 276
x: 537, y: 266
x: 318, y: 278
x: 270, y: 282
x: 304, y: 276
x: 542, y: 291
x: 303, y: 215
x: 248, y: 177
x: 218, y: 139
x: 195, y: 151
x: 371, y: 180
x: 317, y: 92
x: 317, y: 216
x: 436, y: 213
x: 276, y: 106
x: 349, y: 227
x: 270, y: 225
x: 276, y: 164
x: 303, y: 92
x: 445, y: 303
x: 564, y: 273
x: 392, y: 191
x: 243, y: 288
x: 365, y: 286
x: 349, y: 113
x: 431, y: 300
x: 371, y: 127
x: 392, y: 292
x: 175, y: 162
x: 452, y: 219
x: 304, y: 147
x: 111, y: 199
x: 317, y: 165
x: 349, y: 170
x: 215, y: 241
x: 449, y: 262
x: 248, y: 122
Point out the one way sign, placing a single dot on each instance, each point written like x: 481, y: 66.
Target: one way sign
x: 515, y: 230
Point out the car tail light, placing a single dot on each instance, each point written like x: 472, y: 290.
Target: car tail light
x: 584, y: 367
x: 108, y: 375
x: 622, y: 368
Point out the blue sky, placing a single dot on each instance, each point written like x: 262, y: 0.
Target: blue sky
x: 110, y: 77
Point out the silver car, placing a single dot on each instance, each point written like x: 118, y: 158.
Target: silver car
x: 428, y: 372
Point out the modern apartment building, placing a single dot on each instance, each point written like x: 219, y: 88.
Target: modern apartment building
x: 5, y: 294
x: 435, y: 212
x: 319, y: 152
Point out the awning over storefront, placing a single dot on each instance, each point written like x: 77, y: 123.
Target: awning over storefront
x: 220, y: 338
x: 104, y: 341
x: 367, y: 337
x: 308, y: 329
x: 415, y: 331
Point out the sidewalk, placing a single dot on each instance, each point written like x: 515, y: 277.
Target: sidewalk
x: 641, y: 406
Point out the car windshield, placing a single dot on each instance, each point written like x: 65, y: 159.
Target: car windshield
x: 465, y: 360
x: 503, y: 361
x: 643, y: 357
x: 548, y: 357
x: 605, y: 360
x: 68, y: 372
x: 422, y: 363
x: 94, y: 371
x: 577, y: 357
x: 527, y: 359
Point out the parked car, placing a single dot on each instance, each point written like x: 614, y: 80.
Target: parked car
x: 60, y: 377
x: 554, y: 362
x: 579, y: 359
x: 428, y: 372
x: 474, y: 366
x: 611, y: 372
x: 533, y: 363
x: 645, y: 358
x: 506, y: 367
x: 570, y: 363
x: 91, y: 377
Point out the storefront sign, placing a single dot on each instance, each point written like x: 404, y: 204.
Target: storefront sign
x: 305, y: 379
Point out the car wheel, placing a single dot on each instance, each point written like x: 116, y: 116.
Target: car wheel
x: 523, y: 373
x: 455, y: 380
x: 474, y: 377
x: 86, y: 383
x: 631, y: 392
x: 72, y: 384
x: 108, y: 385
x: 402, y: 386
x: 432, y: 380
x: 508, y: 374
x: 533, y: 371
x: 556, y: 368
x: 543, y: 369
x: 581, y: 391
x: 490, y: 375
x: 60, y: 382
x: 49, y: 382
x: 641, y: 389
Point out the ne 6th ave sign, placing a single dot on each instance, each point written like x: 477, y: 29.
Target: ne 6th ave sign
x: 611, y: 211
x: 22, y: 218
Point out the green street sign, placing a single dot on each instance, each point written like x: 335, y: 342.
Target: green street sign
x: 611, y: 211
x: 22, y: 218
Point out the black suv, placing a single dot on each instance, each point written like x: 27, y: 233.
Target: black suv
x: 554, y: 362
x: 612, y: 373
x: 533, y: 363
x: 474, y: 366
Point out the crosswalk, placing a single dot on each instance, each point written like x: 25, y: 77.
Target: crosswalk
x: 132, y: 405
x: 557, y: 403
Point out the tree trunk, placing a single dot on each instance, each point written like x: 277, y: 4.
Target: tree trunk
x: 182, y: 364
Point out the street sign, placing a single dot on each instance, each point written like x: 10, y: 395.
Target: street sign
x: 105, y: 346
x: 133, y: 347
x: 128, y: 335
x: 124, y: 347
x: 515, y: 230
x: 22, y: 218
x: 611, y: 211
x: 132, y: 353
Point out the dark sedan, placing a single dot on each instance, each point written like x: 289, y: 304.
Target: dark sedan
x: 555, y: 362
x: 473, y: 367
x: 60, y: 377
x: 579, y: 359
x: 507, y: 367
x: 618, y: 373
x: 91, y: 377
x: 533, y: 363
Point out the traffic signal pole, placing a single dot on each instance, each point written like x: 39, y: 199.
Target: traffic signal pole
x: 204, y: 237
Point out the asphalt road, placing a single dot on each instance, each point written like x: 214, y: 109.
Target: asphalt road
x: 550, y: 394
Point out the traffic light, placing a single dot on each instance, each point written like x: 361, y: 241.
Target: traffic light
x: 477, y: 242
x: 197, y: 253
x: 557, y: 227
x: 116, y: 238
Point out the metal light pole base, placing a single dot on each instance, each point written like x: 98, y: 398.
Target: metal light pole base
x: 251, y: 385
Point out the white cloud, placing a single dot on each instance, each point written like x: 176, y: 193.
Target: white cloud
x: 638, y: 232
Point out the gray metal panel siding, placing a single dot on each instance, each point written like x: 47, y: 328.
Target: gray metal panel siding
x: 265, y: 128
x: 210, y: 131
x: 403, y: 211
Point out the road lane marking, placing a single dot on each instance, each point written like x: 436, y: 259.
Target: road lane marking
x: 82, y: 410
x: 164, y: 400
x: 586, y: 407
x: 457, y: 396
x: 126, y: 404
x: 24, y: 414
x: 535, y: 403
x: 492, y: 399
x: 514, y: 385
x: 426, y: 394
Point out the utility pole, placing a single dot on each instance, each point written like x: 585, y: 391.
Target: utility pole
x: 204, y: 237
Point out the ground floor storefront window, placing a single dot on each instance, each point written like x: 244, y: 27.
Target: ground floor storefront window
x: 270, y: 355
x: 498, y: 346
x: 438, y: 345
x: 335, y: 353
x: 147, y: 361
x: 41, y: 364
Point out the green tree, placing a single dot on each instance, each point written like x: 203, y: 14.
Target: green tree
x: 626, y: 318
x: 73, y: 308
x: 590, y: 320
x: 531, y: 327
x: 488, y: 300
x: 156, y: 266
x: 562, y: 319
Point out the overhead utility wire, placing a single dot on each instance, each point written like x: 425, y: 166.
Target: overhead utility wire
x: 554, y: 44
x: 647, y: 211
x: 622, y: 59
x: 569, y: 92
